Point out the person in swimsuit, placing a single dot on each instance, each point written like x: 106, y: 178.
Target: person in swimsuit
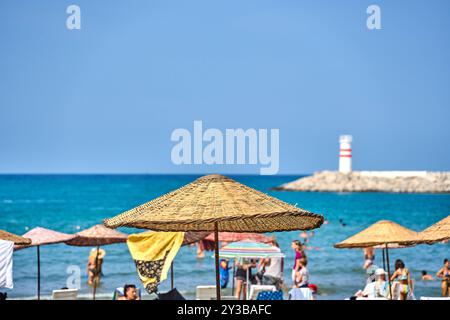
x: 444, y: 273
x: 129, y: 293
x: 94, y: 265
x: 299, y: 254
x: 241, y: 277
x: 403, y: 276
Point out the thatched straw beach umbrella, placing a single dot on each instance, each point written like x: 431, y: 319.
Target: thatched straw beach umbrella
x: 216, y: 203
x: 382, y: 233
x: 39, y: 237
x: 7, y: 236
x: 438, y: 232
x: 97, y: 236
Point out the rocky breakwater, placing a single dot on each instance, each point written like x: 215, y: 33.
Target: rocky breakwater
x: 372, y: 181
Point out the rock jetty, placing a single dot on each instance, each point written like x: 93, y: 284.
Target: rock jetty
x: 372, y: 181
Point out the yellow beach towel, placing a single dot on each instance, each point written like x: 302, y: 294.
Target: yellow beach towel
x: 153, y: 254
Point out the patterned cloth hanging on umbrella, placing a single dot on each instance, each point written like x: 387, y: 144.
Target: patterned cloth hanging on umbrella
x: 153, y: 254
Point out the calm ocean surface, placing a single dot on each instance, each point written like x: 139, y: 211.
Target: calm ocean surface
x: 68, y: 203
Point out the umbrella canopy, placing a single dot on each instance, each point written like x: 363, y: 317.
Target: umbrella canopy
x: 4, y: 235
x: 235, y: 237
x: 438, y: 232
x: 250, y: 249
x: 42, y: 236
x: 98, y: 235
x: 383, y: 232
x: 392, y: 246
x: 217, y: 202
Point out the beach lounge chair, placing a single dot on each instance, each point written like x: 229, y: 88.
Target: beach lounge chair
x: 228, y: 298
x: 256, y: 289
x: 270, y: 295
x: 65, y: 294
x: 206, y: 292
x: 119, y: 293
x: 435, y: 298
x: 301, y: 294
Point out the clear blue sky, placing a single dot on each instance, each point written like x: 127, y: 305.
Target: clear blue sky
x: 107, y: 97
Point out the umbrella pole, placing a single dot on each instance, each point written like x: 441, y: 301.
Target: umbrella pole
x: 247, y: 286
x: 216, y: 256
x: 96, y: 272
x: 38, y: 272
x: 171, y: 276
x: 384, y: 259
x: 389, y: 271
x: 232, y: 280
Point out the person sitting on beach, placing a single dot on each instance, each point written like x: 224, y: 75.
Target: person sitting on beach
x: 129, y: 293
x: 426, y: 276
x: 403, y: 276
x: 302, y: 276
x: 94, y: 265
x: 376, y: 289
x: 444, y: 273
x: 299, y: 254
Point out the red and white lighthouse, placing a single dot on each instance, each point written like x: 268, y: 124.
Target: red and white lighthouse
x: 345, y: 154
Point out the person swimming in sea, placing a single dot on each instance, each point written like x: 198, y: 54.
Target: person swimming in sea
x: 426, y: 276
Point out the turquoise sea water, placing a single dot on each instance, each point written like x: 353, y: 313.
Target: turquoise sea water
x: 68, y: 203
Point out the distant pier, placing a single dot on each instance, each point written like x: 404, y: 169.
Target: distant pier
x: 372, y: 181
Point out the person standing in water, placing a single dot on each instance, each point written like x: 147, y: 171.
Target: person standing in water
x: 224, y: 271
x: 444, y: 273
x: 299, y: 254
x: 94, y: 265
